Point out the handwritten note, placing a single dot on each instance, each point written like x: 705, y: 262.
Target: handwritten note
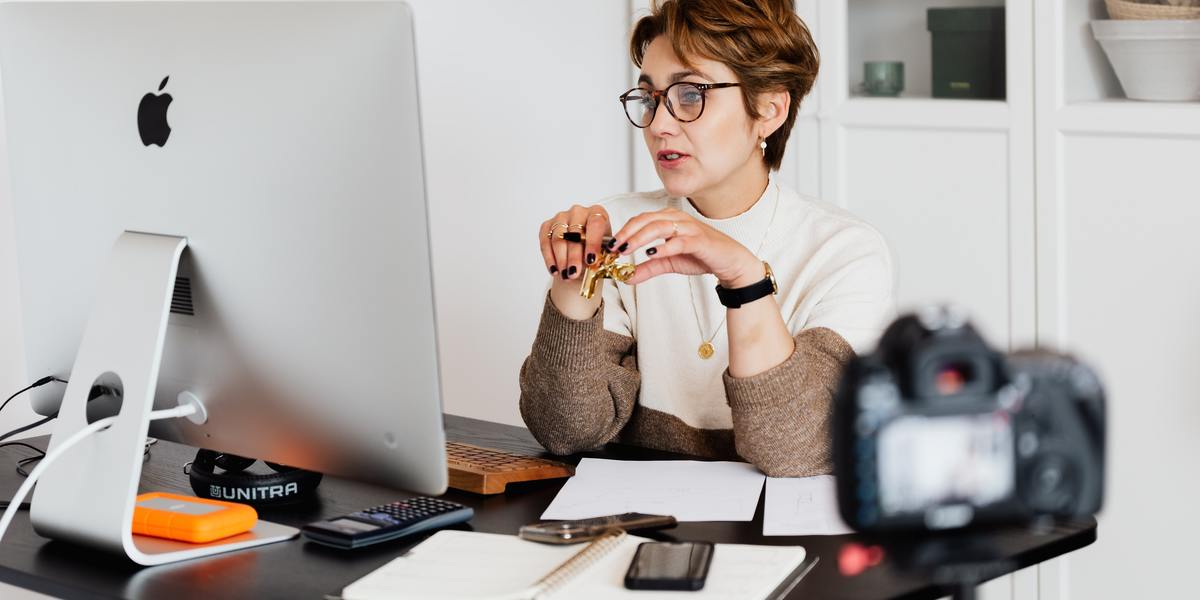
x: 802, y: 506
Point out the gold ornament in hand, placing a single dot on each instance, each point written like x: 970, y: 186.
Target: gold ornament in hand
x: 606, y: 268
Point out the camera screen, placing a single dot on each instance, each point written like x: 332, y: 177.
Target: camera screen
x: 932, y: 461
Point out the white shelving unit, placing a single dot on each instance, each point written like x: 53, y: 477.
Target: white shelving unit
x: 1116, y: 211
x: 948, y: 182
x: 1079, y: 89
x: 1130, y: 117
x: 924, y: 113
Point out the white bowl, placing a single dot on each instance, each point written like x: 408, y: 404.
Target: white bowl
x: 1154, y: 60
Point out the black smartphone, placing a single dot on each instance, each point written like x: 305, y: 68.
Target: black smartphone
x: 669, y: 566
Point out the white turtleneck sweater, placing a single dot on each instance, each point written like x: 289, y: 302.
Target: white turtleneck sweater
x: 833, y: 270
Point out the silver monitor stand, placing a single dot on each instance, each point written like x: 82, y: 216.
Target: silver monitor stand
x: 121, y: 349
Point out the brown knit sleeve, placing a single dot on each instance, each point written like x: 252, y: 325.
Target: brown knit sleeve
x: 781, y: 417
x: 579, y: 383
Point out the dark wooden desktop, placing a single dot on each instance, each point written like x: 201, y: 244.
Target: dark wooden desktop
x: 298, y: 569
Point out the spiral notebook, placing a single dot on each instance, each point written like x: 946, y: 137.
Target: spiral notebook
x: 471, y: 565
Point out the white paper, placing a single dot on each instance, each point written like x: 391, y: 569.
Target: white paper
x: 802, y: 506
x: 685, y: 489
x: 460, y: 565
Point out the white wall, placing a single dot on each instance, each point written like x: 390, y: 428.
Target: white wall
x: 12, y: 353
x: 521, y: 121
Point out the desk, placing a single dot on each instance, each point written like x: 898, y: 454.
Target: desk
x: 298, y: 569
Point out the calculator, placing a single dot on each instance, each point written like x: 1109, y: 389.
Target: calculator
x: 387, y: 522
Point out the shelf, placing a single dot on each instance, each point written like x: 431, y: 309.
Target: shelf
x: 1131, y: 117
x: 925, y: 113
x: 896, y: 31
x: 1087, y: 75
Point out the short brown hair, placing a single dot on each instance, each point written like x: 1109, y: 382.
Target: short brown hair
x: 764, y: 42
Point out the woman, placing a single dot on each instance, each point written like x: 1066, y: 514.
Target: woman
x: 666, y: 361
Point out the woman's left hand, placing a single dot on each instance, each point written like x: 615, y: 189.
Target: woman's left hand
x: 691, y: 248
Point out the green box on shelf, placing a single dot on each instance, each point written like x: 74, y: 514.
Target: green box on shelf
x: 968, y: 52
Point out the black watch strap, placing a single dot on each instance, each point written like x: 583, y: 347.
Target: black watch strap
x: 736, y: 297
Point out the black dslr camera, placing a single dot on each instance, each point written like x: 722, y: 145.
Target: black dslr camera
x: 937, y: 431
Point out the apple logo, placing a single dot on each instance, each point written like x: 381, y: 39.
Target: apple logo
x: 152, y: 116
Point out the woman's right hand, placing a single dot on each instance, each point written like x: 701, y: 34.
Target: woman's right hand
x: 566, y: 259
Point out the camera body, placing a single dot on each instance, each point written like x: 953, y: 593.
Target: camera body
x: 935, y: 430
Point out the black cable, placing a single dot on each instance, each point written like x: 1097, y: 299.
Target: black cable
x: 21, y: 463
x: 28, y: 460
x: 30, y: 446
x: 29, y: 426
x: 36, y: 384
x: 41, y: 454
x: 25, y: 461
x: 95, y: 393
x: 20, y: 467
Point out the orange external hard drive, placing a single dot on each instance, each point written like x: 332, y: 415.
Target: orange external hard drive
x: 189, y: 519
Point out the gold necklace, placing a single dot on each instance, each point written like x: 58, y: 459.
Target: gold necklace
x: 706, y: 349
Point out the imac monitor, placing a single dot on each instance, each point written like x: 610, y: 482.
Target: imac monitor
x: 282, y: 141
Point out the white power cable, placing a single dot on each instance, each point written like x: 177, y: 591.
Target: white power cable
x: 51, y: 456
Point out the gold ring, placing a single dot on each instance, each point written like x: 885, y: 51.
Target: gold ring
x: 558, y: 225
x: 601, y: 215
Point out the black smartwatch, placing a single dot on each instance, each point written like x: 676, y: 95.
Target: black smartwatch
x: 735, y: 298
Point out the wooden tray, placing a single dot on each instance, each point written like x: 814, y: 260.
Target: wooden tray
x: 487, y: 471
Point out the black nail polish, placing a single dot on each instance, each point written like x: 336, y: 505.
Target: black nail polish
x: 651, y: 251
x: 553, y: 269
x: 623, y: 247
x: 564, y: 274
x: 572, y: 270
x: 611, y: 242
x: 591, y: 258
x: 573, y: 236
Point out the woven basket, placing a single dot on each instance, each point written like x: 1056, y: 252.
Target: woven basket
x: 1124, y: 9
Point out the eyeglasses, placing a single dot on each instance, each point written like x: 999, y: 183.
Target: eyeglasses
x: 685, y: 102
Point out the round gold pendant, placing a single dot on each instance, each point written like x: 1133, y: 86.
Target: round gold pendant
x: 706, y: 350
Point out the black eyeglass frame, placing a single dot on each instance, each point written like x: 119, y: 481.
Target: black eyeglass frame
x: 656, y: 94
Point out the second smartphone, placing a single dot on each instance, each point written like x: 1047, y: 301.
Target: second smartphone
x: 679, y: 566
